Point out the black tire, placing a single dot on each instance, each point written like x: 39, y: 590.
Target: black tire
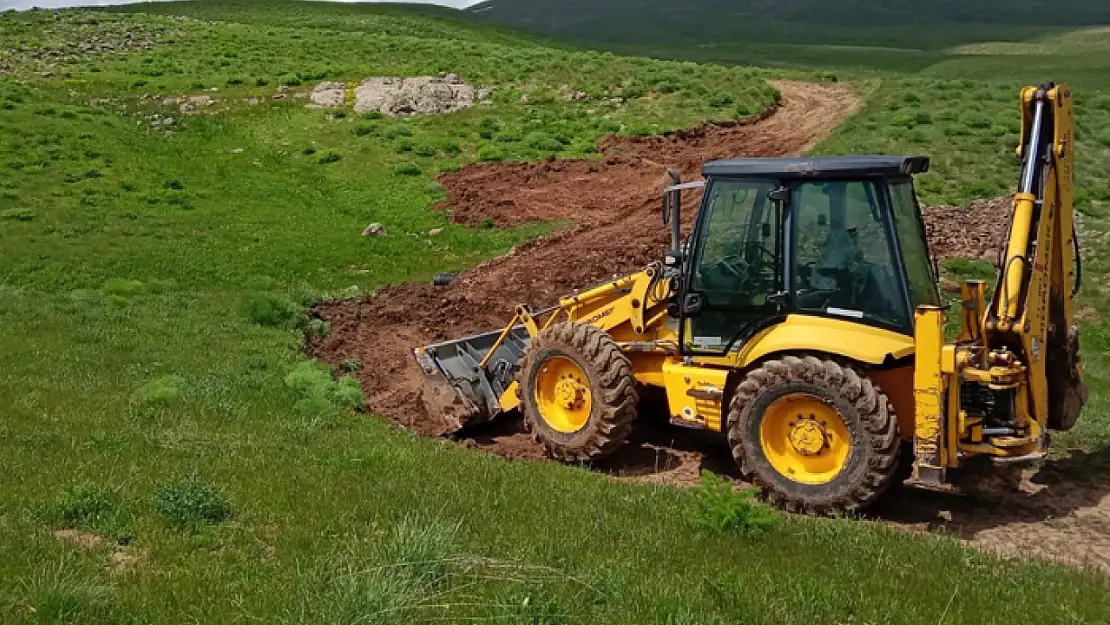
x: 612, y: 387
x: 875, y: 446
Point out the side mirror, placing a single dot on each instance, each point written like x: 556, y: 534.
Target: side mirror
x: 692, y: 304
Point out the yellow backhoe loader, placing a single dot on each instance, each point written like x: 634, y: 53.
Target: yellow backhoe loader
x: 801, y: 318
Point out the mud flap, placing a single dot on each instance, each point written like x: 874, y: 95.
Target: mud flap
x: 457, y: 387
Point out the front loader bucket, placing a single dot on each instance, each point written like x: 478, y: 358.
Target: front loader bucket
x: 458, y: 387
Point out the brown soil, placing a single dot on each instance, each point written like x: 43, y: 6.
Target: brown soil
x: 974, y: 231
x: 614, y: 206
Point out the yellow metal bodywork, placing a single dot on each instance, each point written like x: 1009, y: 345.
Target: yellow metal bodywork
x: 1000, y: 347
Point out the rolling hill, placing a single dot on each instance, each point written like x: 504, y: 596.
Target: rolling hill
x: 845, y: 33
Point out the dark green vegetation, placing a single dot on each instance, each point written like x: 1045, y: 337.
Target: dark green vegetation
x: 899, y: 35
x: 153, y: 276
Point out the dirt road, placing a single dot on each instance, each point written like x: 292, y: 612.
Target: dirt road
x: 613, y: 204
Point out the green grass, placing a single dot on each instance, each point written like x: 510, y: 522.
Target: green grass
x: 151, y: 298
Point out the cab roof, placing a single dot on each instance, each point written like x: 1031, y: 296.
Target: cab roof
x: 819, y: 166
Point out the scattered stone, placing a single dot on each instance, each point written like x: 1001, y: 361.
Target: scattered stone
x: 187, y: 108
x: 201, y: 100
x: 374, y: 230
x: 991, y: 256
x: 400, y: 97
x: 169, y: 121
x: 578, y: 95
x: 434, y: 231
x: 329, y: 94
x: 214, y: 89
x: 485, y: 93
x: 170, y: 102
x: 453, y: 79
x: 252, y: 101
x: 279, y: 96
x: 236, y: 150
x: 524, y: 99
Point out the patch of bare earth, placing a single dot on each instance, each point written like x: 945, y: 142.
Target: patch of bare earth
x: 613, y: 203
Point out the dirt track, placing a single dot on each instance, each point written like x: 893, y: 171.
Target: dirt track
x: 614, y: 205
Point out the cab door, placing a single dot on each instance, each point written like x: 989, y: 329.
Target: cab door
x: 734, y: 279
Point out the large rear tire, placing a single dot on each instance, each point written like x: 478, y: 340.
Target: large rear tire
x: 814, y: 436
x: 577, y: 392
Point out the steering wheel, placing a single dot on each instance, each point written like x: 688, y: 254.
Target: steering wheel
x: 738, y: 271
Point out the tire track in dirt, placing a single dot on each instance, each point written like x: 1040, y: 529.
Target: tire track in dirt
x: 1061, y: 511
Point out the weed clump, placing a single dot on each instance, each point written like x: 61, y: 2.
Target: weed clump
x: 82, y: 505
x: 192, y: 502
x: 329, y: 156
x: 407, y: 169
x: 490, y: 153
x: 270, y: 309
x: 160, y: 392
x: 717, y: 508
x: 320, y: 392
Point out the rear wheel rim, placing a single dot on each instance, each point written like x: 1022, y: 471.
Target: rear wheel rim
x: 563, y: 395
x: 804, y: 438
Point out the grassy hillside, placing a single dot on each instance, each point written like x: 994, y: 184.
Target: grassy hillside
x: 166, y: 453
x: 894, y: 35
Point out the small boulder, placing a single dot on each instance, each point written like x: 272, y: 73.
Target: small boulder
x: 991, y: 256
x: 949, y: 286
x: 578, y: 95
x: 375, y: 229
x: 329, y: 94
x: 434, y: 231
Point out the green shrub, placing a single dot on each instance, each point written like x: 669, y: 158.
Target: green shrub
x: 720, y: 100
x: 426, y: 149
x: 192, y: 502
x: 319, y: 328
x: 351, y: 365
x: 609, y: 126
x: 289, y: 79
x: 490, y: 153
x: 329, y: 156
x: 372, y: 115
x: 717, y: 508
x: 270, y: 309
x: 402, y: 145
x: 362, y: 130
x: 543, y: 142
x: 160, y: 392
x: 407, y: 169
x: 450, y: 166
x: 396, y: 131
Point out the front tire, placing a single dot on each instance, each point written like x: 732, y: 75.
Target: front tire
x: 814, y: 436
x: 578, y: 392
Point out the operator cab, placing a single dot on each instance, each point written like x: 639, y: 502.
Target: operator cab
x: 836, y: 237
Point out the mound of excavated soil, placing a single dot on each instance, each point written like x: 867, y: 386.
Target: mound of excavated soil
x: 974, y: 231
x: 614, y: 204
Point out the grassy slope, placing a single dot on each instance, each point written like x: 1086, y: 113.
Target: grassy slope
x: 900, y: 35
x: 135, y: 262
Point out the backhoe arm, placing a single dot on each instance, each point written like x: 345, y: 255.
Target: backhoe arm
x: 1030, y: 319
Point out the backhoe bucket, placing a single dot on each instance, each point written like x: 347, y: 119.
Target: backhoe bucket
x: 458, y: 387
